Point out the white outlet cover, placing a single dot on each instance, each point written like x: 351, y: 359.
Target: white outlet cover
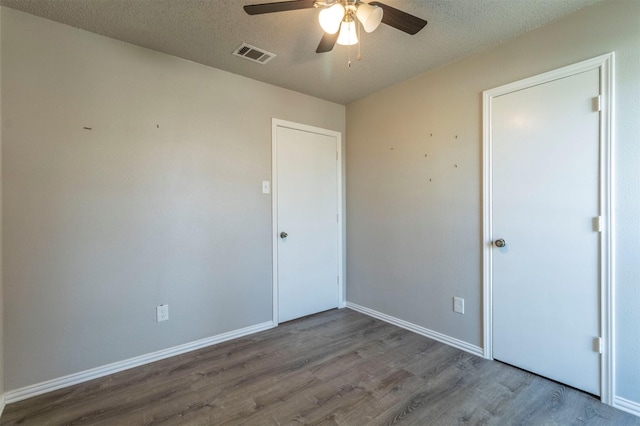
x: 162, y: 313
x: 458, y: 305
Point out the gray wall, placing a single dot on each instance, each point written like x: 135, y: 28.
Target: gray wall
x: 1, y: 285
x: 159, y: 203
x: 415, y: 222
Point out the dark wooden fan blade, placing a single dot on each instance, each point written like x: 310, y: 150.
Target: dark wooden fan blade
x: 283, y: 6
x: 401, y: 20
x: 327, y: 42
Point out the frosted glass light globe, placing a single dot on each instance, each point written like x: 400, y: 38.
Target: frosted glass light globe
x: 331, y: 17
x: 348, y: 34
x: 370, y: 16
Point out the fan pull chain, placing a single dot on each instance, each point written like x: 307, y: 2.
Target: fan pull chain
x: 358, y: 55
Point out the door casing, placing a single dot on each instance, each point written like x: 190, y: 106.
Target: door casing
x: 274, y: 207
x: 605, y: 64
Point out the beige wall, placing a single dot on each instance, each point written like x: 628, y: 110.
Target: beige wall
x: 159, y: 203
x: 414, y: 194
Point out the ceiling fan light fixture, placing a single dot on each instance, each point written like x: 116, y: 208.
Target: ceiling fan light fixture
x: 348, y: 33
x: 370, y: 16
x: 331, y: 17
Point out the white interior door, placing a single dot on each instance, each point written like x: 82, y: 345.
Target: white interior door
x: 307, y: 213
x: 546, y: 305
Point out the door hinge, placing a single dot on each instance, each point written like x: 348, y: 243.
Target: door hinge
x: 597, y: 103
x: 598, y: 224
x: 598, y: 346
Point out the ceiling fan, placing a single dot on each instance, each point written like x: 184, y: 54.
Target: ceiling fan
x: 339, y: 18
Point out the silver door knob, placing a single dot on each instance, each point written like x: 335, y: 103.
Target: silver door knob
x: 283, y: 234
x: 500, y: 243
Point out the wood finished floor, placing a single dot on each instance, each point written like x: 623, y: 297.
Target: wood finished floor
x: 335, y: 368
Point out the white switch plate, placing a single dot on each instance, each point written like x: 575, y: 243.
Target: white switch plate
x: 266, y: 187
x: 458, y: 305
x: 162, y: 313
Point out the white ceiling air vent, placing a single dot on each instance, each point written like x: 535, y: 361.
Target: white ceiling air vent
x: 254, y: 54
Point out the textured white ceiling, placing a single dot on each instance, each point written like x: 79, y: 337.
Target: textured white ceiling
x: 208, y: 31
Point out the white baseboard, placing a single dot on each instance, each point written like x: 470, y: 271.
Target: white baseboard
x: 451, y: 341
x: 626, y: 405
x: 105, y: 370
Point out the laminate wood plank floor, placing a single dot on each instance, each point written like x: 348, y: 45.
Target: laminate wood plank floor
x: 335, y: 368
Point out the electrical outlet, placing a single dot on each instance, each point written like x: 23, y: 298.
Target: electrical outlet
x: 162, y: 313
x: 458, y: 305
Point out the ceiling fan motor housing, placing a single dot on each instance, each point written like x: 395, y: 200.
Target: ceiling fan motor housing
x: 345, y: 3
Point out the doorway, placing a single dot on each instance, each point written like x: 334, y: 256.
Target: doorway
x: 307, y: 220
x: 547, y: 226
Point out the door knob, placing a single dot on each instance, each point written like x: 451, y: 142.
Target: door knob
x: 500, y: 243
x: 283, y: 234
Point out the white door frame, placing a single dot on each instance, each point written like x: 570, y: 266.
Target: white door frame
x: 275, y: 123
x: 605, y: 64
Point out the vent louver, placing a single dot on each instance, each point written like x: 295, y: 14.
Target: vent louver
x: 253, y: 54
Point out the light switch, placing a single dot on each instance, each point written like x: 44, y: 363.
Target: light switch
x: 266, y: 187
